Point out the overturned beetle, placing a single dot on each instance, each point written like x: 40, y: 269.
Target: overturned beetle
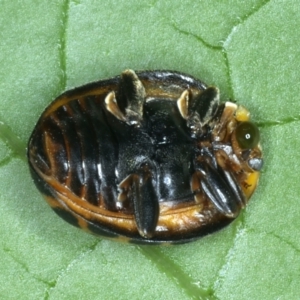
x: 146, y: 157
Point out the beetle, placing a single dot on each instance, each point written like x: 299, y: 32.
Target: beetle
x: 146, y: 157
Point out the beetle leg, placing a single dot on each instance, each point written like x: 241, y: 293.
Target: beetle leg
x: 145, y: 202
x: 128, y: 104
x: 141, y: 192
x: 131, y: 97
x: 217, y: 190
x: 199, y: 108
x: 235, y: 187
x: 205, y: 104
x: 222, y: 155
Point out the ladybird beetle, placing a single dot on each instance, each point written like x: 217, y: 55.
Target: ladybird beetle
x: 147, y: 157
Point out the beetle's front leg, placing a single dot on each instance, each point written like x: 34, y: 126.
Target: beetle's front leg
x: 139, y: 189
x: 220, y: 188
x: 222, y: 158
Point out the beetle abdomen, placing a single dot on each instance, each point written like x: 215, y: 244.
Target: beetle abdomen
x: 74, y: 144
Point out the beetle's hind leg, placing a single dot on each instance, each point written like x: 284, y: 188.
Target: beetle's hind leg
x: 128, y: 101
x: 140, y: 190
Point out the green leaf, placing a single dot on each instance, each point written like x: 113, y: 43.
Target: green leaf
x: 250, y: 49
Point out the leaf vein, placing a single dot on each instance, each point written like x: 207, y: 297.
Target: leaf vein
x: 12, y: 141
x: 23, y: 266
x: 63, y: 271
x: 242, y: 20
x: 238, y: 232
x: 283, y: 121
x: 63, y: 44
x: 173, y: 271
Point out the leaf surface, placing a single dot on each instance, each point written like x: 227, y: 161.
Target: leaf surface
x: 249, y: 49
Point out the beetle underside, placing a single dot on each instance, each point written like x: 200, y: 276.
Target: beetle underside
x: 144, y: 157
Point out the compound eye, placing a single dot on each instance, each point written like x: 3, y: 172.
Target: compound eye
x: 247, y: 135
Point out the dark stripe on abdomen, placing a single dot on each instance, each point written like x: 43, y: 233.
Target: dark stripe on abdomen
x: 65, y: 118
x: 107, y: 149
x: 89, y: 152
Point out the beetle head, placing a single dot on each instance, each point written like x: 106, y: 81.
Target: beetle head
x: 236, y: 140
